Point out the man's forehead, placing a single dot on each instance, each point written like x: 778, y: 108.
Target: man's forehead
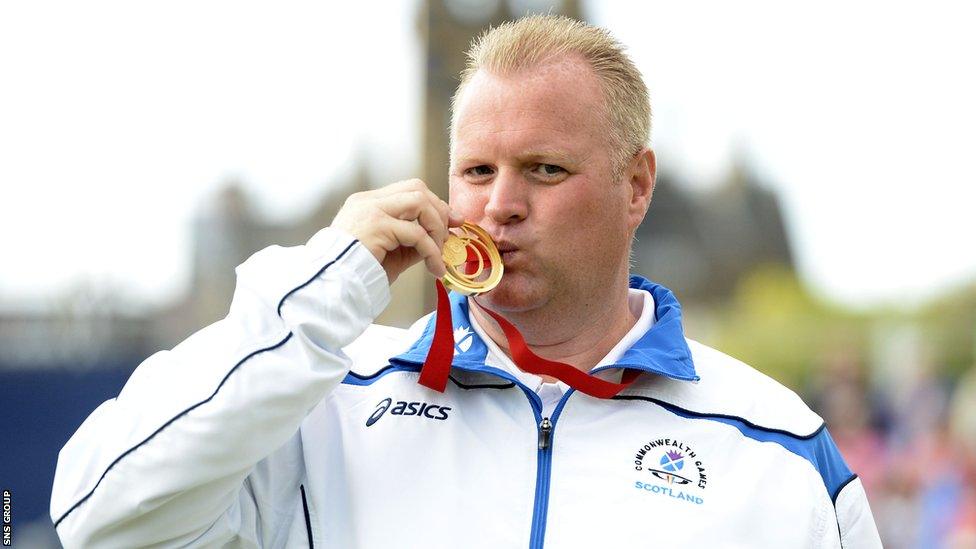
x: 523, y: 133
x: 556, y: 100
x: 546, y: 83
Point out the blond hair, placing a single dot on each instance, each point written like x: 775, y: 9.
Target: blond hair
x: 532, y: 41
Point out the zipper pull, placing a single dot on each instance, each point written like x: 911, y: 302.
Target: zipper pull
x: 545, y: 433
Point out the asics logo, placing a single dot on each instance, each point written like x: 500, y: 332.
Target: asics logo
x: 404, y: 408
x: 381, y: 409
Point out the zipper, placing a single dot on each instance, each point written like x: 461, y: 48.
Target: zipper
x: 540, y: 511
x: 545, y: 433
x: 542, y: 477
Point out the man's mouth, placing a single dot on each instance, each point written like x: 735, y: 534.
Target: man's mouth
x: 507, y: 250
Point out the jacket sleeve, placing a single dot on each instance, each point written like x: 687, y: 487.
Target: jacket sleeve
x: 854, y: 519
x: 168, y: 461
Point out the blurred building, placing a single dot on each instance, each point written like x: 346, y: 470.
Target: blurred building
x: 227, y: 231
x: 702, y: 244
x: 699, y: 244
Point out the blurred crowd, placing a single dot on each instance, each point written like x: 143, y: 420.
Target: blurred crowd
x: 912, y: 441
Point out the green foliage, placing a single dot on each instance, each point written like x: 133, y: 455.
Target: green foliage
x: 775, y: 325
x: 950, y: 324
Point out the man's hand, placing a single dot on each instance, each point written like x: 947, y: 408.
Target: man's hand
x: 400, y: 224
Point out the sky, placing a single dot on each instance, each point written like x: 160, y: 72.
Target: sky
x: 119, y: 119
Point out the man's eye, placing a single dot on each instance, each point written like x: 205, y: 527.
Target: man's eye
x: 479, y: 170
x: 550, y: 169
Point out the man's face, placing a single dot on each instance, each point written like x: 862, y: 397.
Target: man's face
x: 531, y: 164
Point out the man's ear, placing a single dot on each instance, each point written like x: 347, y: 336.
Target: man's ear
x: 641, y: 175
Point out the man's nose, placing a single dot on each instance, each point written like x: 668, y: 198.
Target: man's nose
x: 507, y: 198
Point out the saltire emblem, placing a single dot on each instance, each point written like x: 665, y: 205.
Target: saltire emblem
x: 671, y: 462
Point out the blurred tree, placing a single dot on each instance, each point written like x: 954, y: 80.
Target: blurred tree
x: 950, y: 326
x: 774, y: 324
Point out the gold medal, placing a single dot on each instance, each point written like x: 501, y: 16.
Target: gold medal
x: 473, y: 263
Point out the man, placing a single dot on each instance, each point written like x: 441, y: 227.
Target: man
x: 295, y: 422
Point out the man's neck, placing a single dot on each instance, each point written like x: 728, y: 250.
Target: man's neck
x: 580, y: 335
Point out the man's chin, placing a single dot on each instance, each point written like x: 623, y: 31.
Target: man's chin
x: 511, y: 296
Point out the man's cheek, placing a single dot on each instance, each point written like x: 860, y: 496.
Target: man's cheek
x: 468, y: 204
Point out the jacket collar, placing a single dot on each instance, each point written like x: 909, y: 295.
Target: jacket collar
x: 662, y: 349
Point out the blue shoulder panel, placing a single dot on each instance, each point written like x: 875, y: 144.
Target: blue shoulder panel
x: 819, y: 449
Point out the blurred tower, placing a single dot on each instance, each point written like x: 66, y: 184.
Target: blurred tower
x: 447, y: 28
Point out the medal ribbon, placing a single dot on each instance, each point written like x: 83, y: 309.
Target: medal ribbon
x: 437, y: 366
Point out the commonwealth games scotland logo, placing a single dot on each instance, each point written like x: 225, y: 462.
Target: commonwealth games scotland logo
x: 675, y: 470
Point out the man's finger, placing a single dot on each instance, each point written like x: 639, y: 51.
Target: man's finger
x: 415, y: 205
x: 412, y: 235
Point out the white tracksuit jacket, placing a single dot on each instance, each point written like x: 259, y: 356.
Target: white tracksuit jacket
x: 295, y: 422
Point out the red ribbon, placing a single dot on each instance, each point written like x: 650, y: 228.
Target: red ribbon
x: 437, y: 366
